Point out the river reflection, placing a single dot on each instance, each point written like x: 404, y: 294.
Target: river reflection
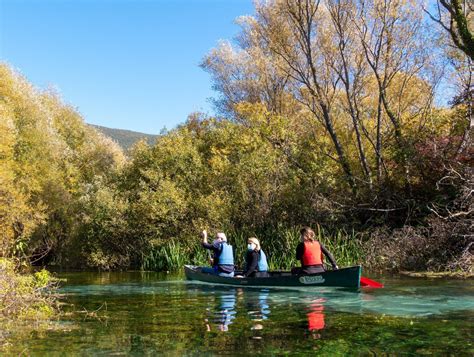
x: 156, y: 314
x: 257, y: 308
x: 253, y: 306
x: 228, y: 302
x: 222, y: 313
x: 316, y: 317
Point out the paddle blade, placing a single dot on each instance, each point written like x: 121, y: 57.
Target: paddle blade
x: 366, y: 282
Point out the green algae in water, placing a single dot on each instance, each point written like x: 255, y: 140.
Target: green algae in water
x: 151, y: 313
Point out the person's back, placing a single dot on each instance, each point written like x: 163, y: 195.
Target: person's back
x: 262, y: 261
x: 225, y: 258
x: 311, y: 253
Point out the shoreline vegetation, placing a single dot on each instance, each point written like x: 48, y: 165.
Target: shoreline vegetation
x: 437, y: 275
x: 26, y: 296
x: 323, y: 126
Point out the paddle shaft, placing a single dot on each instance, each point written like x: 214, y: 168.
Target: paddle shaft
x: 210, y: 256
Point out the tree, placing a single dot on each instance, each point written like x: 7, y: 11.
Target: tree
x: 458, y: 23
x: 325, y: 56
x: 48, y: 158
x: 456, y: 18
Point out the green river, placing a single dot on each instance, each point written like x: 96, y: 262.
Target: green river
x: 139, y: 314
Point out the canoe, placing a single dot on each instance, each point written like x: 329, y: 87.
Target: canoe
x: 345, y: 277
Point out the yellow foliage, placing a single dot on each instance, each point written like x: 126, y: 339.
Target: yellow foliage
x: 47, y: 154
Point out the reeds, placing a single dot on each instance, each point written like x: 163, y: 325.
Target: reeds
x: 169, y: 256
x: 279, y: 244
x: 172, y: 256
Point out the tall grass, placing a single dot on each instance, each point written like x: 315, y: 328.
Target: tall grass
x: 172, y: 256
x: 169, y: 256
x: 345, y: 247
x: 279, y: 244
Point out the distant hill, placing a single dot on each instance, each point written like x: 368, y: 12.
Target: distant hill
x: 125, y: 138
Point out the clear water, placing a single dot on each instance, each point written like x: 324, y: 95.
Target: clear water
x: 151, y: 313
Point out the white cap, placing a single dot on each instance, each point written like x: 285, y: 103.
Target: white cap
x: 221, y: 236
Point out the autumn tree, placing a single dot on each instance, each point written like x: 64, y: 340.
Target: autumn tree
x: 456, y: 17
x: 48, y: 159
x: 351, y: 67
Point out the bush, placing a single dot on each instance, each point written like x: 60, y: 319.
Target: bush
x: 26, y: 296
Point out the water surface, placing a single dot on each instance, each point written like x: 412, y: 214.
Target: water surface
x: 151, y: 313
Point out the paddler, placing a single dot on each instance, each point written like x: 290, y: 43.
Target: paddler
x: 223, y: 259
x: 311, y: 253
x: 256, y: 264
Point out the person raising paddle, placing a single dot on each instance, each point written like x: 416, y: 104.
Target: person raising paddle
x: 223, y: 260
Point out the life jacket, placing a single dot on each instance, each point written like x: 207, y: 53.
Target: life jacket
x: 312, y: 254
x: 262, y: 261
x: 226, y: 257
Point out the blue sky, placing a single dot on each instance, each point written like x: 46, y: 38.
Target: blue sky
x: 122, y: 64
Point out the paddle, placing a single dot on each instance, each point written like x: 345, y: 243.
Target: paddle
x: 369, y: 283
x: 366, y: 282
x: 204, y: 232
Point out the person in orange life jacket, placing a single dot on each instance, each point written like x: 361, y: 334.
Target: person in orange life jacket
x: 256, y: 264
x: 223, y: 260
x: 310, y: 253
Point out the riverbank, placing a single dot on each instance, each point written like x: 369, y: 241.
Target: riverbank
x: 26, y: 296
x: 438, y: 275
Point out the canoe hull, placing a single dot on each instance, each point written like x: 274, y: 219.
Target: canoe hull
x: 345, y: 277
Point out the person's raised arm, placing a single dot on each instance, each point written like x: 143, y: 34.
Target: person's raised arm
x: 329, y: 256
x: 204, y: 240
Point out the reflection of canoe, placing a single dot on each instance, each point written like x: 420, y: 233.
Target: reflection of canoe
x: 345, y: 277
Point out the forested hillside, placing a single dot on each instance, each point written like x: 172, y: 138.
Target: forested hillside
x: 125, y: 138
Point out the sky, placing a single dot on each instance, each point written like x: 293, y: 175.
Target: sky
x: 128, y: 64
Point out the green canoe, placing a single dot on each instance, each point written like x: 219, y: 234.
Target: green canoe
x: 345, y: 277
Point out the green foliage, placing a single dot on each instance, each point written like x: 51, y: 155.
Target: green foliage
x: 346, y: 247
x: 48, y: 160
x: 26, y: 296
x: 42, y: 279
x: 172, y: 255
x: 169, y: 256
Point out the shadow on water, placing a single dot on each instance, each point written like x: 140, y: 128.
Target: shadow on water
x: 147, y: 313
